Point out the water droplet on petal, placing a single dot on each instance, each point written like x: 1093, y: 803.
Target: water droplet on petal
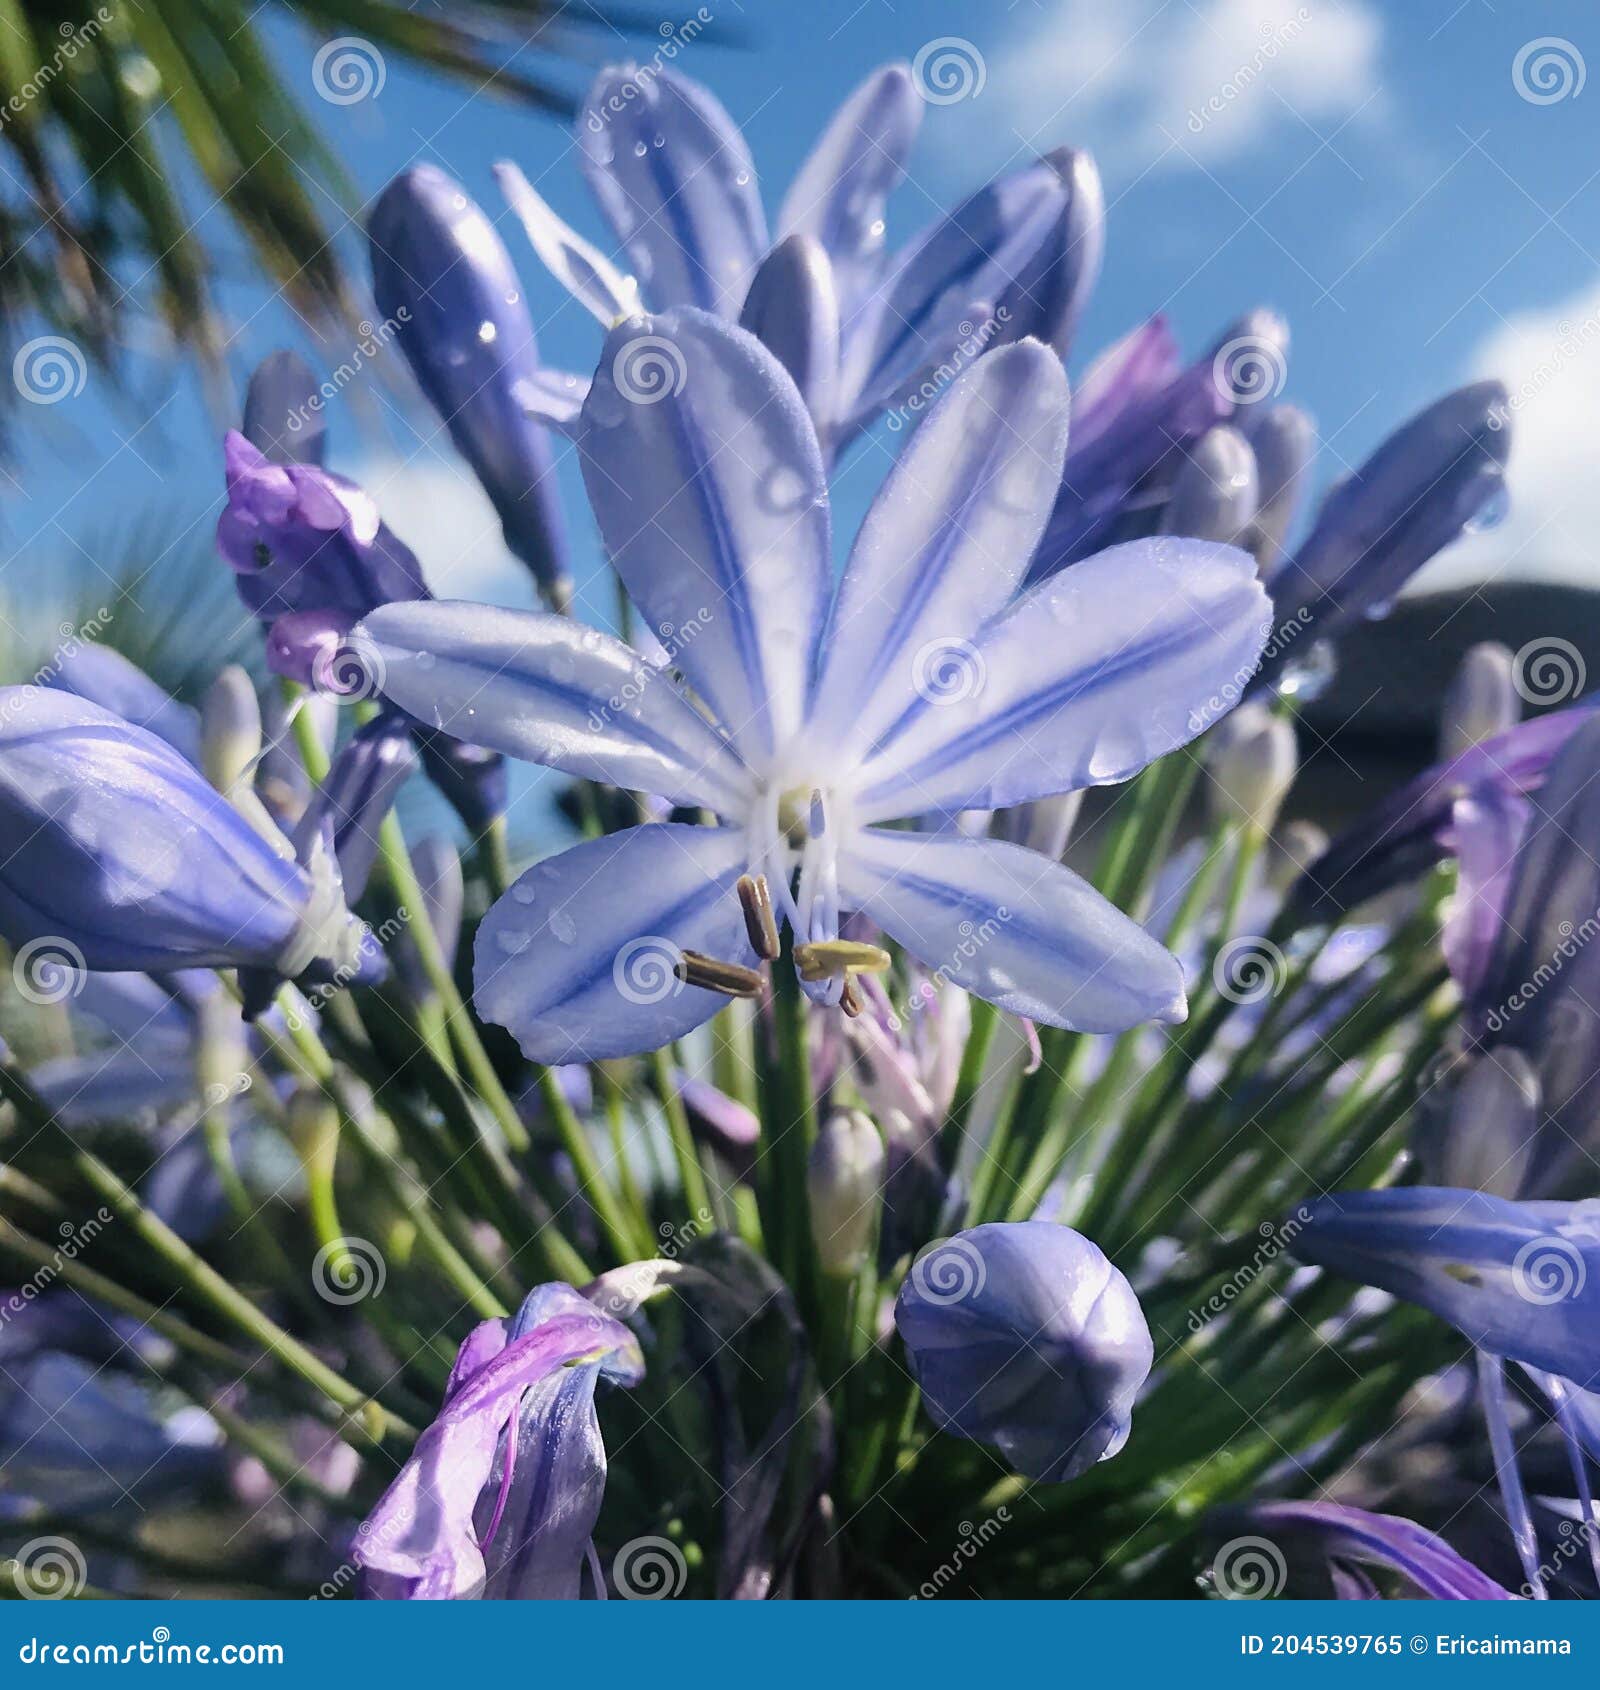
x: 562, y: 927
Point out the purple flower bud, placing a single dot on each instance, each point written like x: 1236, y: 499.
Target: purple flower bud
x: 844, y: 1181
x: 121, y: 857
x: 1422, y: 488
x: 311, y: 556
x: 359, y: 791
x: 107, y: 678
x: 442, y: 276
x: 283, y: 414
x: 1482, y: 701
x: 1022, y: 1334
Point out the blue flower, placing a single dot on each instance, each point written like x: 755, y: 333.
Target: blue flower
x: 1352, y: 1539
x: 1022, y: 1334
x: 119, y: 856
x: 444, y: 281
x: 925, y: 686
x: 1521, y: 1280
x: 858, y: 329
x: 501, y: 1493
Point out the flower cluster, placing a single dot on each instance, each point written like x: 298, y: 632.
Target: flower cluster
x: 806, y: 1161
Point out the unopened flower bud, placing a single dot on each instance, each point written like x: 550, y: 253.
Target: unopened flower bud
x: 1215, y: 491
x: 230, y: 730
x: 1021, y: 1334
x: 845, y: 1183
x: 1253, y: 761
x: 1481, y: 701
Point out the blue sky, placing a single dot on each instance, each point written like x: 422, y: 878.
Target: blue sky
x: 1376, y: 170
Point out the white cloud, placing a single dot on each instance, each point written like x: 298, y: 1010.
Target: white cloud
x: 1182, y: 82
x: 1550, y: 363
x: 437, y: 507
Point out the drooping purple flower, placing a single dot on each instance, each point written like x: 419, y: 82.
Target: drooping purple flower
x: 122, y: 857
x: 860, y: 330
x: 500, y: 1495
x: 311, y: 556
x: 1406, y: 833
x: 1353, y: 1538
x: 441, y: 275
x: 1521, y: 1280
x: 1419, y: 491
x: 713, y: 503
x: 1022, y: 1334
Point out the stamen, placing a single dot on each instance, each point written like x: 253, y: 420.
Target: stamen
x: 825, y: 957
x: 850, y: 998
x: 756, y: 898
x: 729, y: 978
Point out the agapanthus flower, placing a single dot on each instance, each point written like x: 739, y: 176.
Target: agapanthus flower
x: 443, y: 279
x: 1521, y: 1280
x: 500, y: 1495
x: 1022, y: 1334
x: 859, y: 330
x: 120, y: 856
x: 1407, y: 832
x: 930, y: 687
x: 1350, y: 1540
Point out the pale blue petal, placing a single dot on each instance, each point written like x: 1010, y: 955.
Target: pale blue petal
x: 1088, y: 677
x: 945, y: 544
x: 674, y: 177
x: 839, y: 195
x: 550, y: 691
x: 1012, y: 927
x: 577, y: 959
x: 706, y: 479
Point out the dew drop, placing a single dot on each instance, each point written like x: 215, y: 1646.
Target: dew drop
x: 1496, y: 508
x: 562, y: 927
x: 513, y: 941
